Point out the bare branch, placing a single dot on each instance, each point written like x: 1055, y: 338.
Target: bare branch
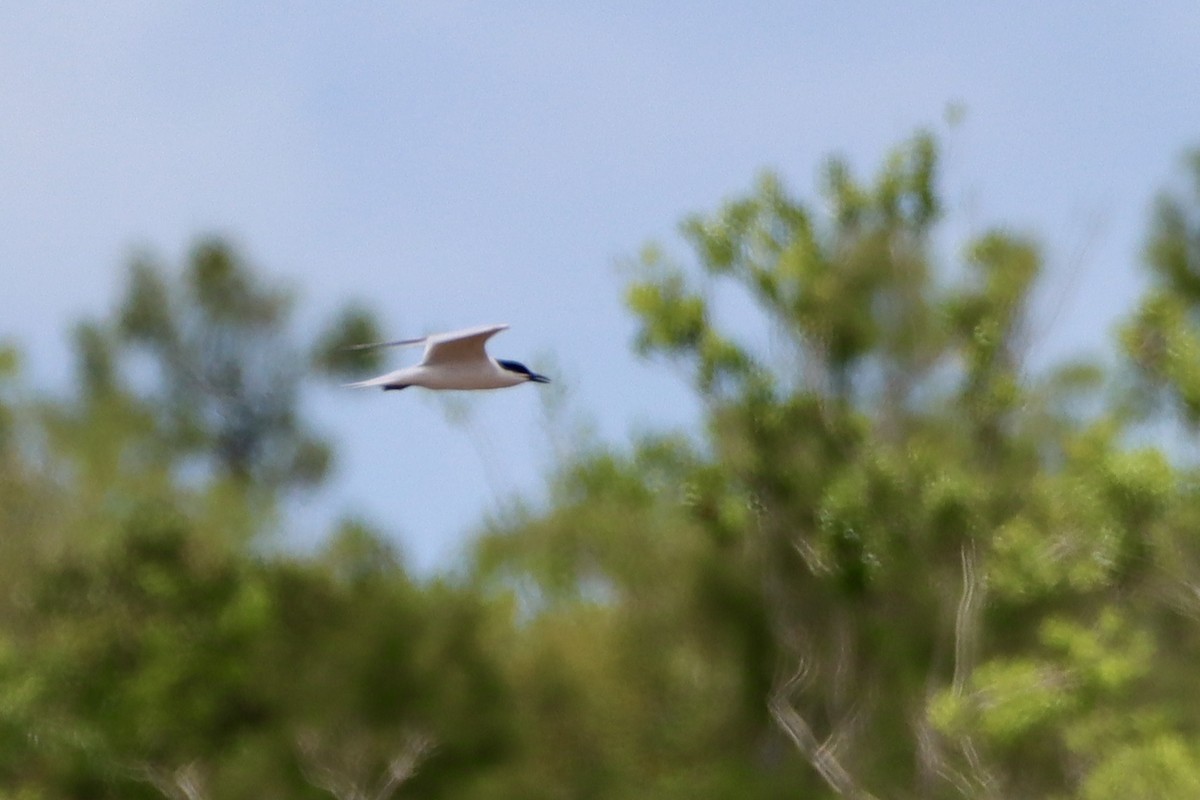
x: 966, y: 624
x: 404, y: 765
x: 822, y: 755
x: 929, y: 747
x: 342, y: 768
x: 315, y: 767
x: 184, y: 783
x: 965, y: 620
x: 979, y: 780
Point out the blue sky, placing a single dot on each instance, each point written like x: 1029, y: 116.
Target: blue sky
x: 457, y: 163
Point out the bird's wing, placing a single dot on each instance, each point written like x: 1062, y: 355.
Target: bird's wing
x: 393, y: 343
x: 458, y: 347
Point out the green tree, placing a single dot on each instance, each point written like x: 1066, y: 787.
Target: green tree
x: 899, y: 561
x: 224, y: 379
x: 1161, y: 338
x: 151, y: 644
x: 892, y: 561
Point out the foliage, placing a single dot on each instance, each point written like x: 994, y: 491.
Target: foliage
x: 893, y: 559
x: 910, y: 564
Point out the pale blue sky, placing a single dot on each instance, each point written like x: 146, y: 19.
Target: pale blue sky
x: 459, y: 163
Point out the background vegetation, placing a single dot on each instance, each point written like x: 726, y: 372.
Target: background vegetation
x: 894, y: 560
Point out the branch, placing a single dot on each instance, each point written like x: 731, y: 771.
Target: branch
x: 185, y: 783
x: 342, y: 771
x: 966, y: 622
x: 933, y: 757
x: 316, y: 768
x: 821, y: 755
x: 404, y: 766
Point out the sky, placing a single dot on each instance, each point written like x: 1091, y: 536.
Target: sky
x: 452, y: 164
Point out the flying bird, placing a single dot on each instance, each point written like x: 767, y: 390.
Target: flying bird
x: 454, y: 360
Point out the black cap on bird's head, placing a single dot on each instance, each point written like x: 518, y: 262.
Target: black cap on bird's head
x: 521, y: 369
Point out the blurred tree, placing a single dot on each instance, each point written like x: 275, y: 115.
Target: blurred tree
x: 394, y: 683
x: 168, y: 667
x: 1162, y: 338
x: 137, y: 668
x: 150, y: 645
x: 334, y: 353
x: 895, y: 551
x: 893, y: 561
x: 224, y: 379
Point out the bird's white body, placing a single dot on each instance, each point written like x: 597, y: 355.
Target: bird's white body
x: 474, y: 376
x: 455, y: 360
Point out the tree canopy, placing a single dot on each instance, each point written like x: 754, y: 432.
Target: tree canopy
x: 894, y: 559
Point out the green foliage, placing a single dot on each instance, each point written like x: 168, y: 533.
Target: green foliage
x: 9, y: 367
x: 222, y: 367
x: 893, y: 561
x: 910, y: 565
x: 1162, y: 338
x: 151, y: 645
x: 206, y: 358
x: 1166, y: 767
x: 332, y: 353
x: 167, y: 652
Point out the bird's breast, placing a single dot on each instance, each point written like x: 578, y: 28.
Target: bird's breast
x: 482, y: 376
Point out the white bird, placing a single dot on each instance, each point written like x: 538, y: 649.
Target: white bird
x: 455, y: 360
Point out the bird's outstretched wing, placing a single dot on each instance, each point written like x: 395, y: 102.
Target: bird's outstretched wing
x: 394, y: 343
x: 459, y: 347
x: 465, y: 344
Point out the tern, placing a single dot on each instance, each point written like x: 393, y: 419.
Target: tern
x: 454, y: 360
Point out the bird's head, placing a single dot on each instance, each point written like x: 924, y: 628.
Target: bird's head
x: 521, y: 369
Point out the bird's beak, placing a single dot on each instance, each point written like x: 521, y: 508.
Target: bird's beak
x: 533, y: 376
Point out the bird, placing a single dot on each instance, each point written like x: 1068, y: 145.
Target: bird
x: 453, y: 360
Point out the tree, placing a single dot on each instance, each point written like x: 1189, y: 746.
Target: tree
x: 150, y: 644
x: 224, y: 380
x: 894, y: 560
x: 901, y: 562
